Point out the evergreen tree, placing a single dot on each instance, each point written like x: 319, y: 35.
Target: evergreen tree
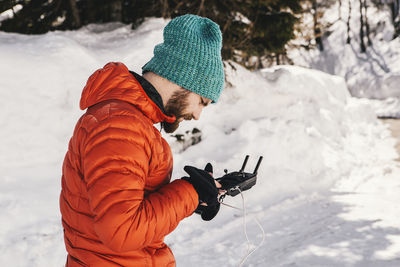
x: 35, y: 16
x: 7, y: 5
x: 281, y: 14
x: 250, y: 29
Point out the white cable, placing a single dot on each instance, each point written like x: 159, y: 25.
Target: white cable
x: 248, y: 253
x: 230, y: 206
x: 245, y: 231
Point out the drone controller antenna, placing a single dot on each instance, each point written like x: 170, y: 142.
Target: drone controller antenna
x: 258, y: 164
x: 244, y: 163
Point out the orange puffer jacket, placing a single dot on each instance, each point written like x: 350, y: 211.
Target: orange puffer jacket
x: 117, y: 201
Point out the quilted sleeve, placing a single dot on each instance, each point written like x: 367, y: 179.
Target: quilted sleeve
x: 116, y: 159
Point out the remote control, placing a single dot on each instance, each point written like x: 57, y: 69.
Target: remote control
x: 236, y: 182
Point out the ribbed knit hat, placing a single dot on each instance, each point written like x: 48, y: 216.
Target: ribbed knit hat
x: 190, y: 56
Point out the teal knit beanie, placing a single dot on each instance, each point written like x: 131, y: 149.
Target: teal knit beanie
x: 190, y: 56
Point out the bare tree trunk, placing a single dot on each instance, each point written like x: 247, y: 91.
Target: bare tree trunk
x: 277, y: 59
x: 90, y: 12
x: 164, y: 9
x: 396, y: 18
x: 259, y: 63
x: 394, y: 8
x: 348, y: 24
x: 398, y: 7
x: 362, y: 44
x: 316, y: 26
x: 201, y: 8
x: 340, y: 9
x: 76, y: 20
x: 367, y: 24
x: 396, y: 4
x: 116, y: 10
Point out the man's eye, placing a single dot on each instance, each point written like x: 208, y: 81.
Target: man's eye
x: 203, y: 102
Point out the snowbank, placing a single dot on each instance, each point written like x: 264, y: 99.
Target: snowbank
x: 298, y: 119
x: 309, y: 130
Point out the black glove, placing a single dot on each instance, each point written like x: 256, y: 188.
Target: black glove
x: 207, y: 212
x: 204, y: 185
x: 210, y: 211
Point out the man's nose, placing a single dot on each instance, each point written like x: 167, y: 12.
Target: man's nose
x: 196, y: 114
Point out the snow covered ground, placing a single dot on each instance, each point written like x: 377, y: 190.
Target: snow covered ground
x: 328, y: 187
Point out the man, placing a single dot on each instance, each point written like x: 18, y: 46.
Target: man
x: 117, y: 201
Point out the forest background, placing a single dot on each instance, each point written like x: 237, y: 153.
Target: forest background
x: 256, y: 34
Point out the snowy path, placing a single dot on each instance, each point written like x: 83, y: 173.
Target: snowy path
x: 356, y: 224
x: 342, y: 229
x: 313, y: 233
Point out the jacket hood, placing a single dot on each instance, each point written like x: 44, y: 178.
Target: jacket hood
x: 114, y: 81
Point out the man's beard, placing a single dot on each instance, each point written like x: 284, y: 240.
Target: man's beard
x: 176, y: 106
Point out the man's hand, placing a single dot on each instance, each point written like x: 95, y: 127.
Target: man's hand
x: 207, y: 189
x: 209, y: 169
x: 203, y: 183
x: 209, y: 212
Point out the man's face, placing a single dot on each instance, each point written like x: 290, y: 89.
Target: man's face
x: 185, y: 105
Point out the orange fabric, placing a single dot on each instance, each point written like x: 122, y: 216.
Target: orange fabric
x: 117, y: 201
